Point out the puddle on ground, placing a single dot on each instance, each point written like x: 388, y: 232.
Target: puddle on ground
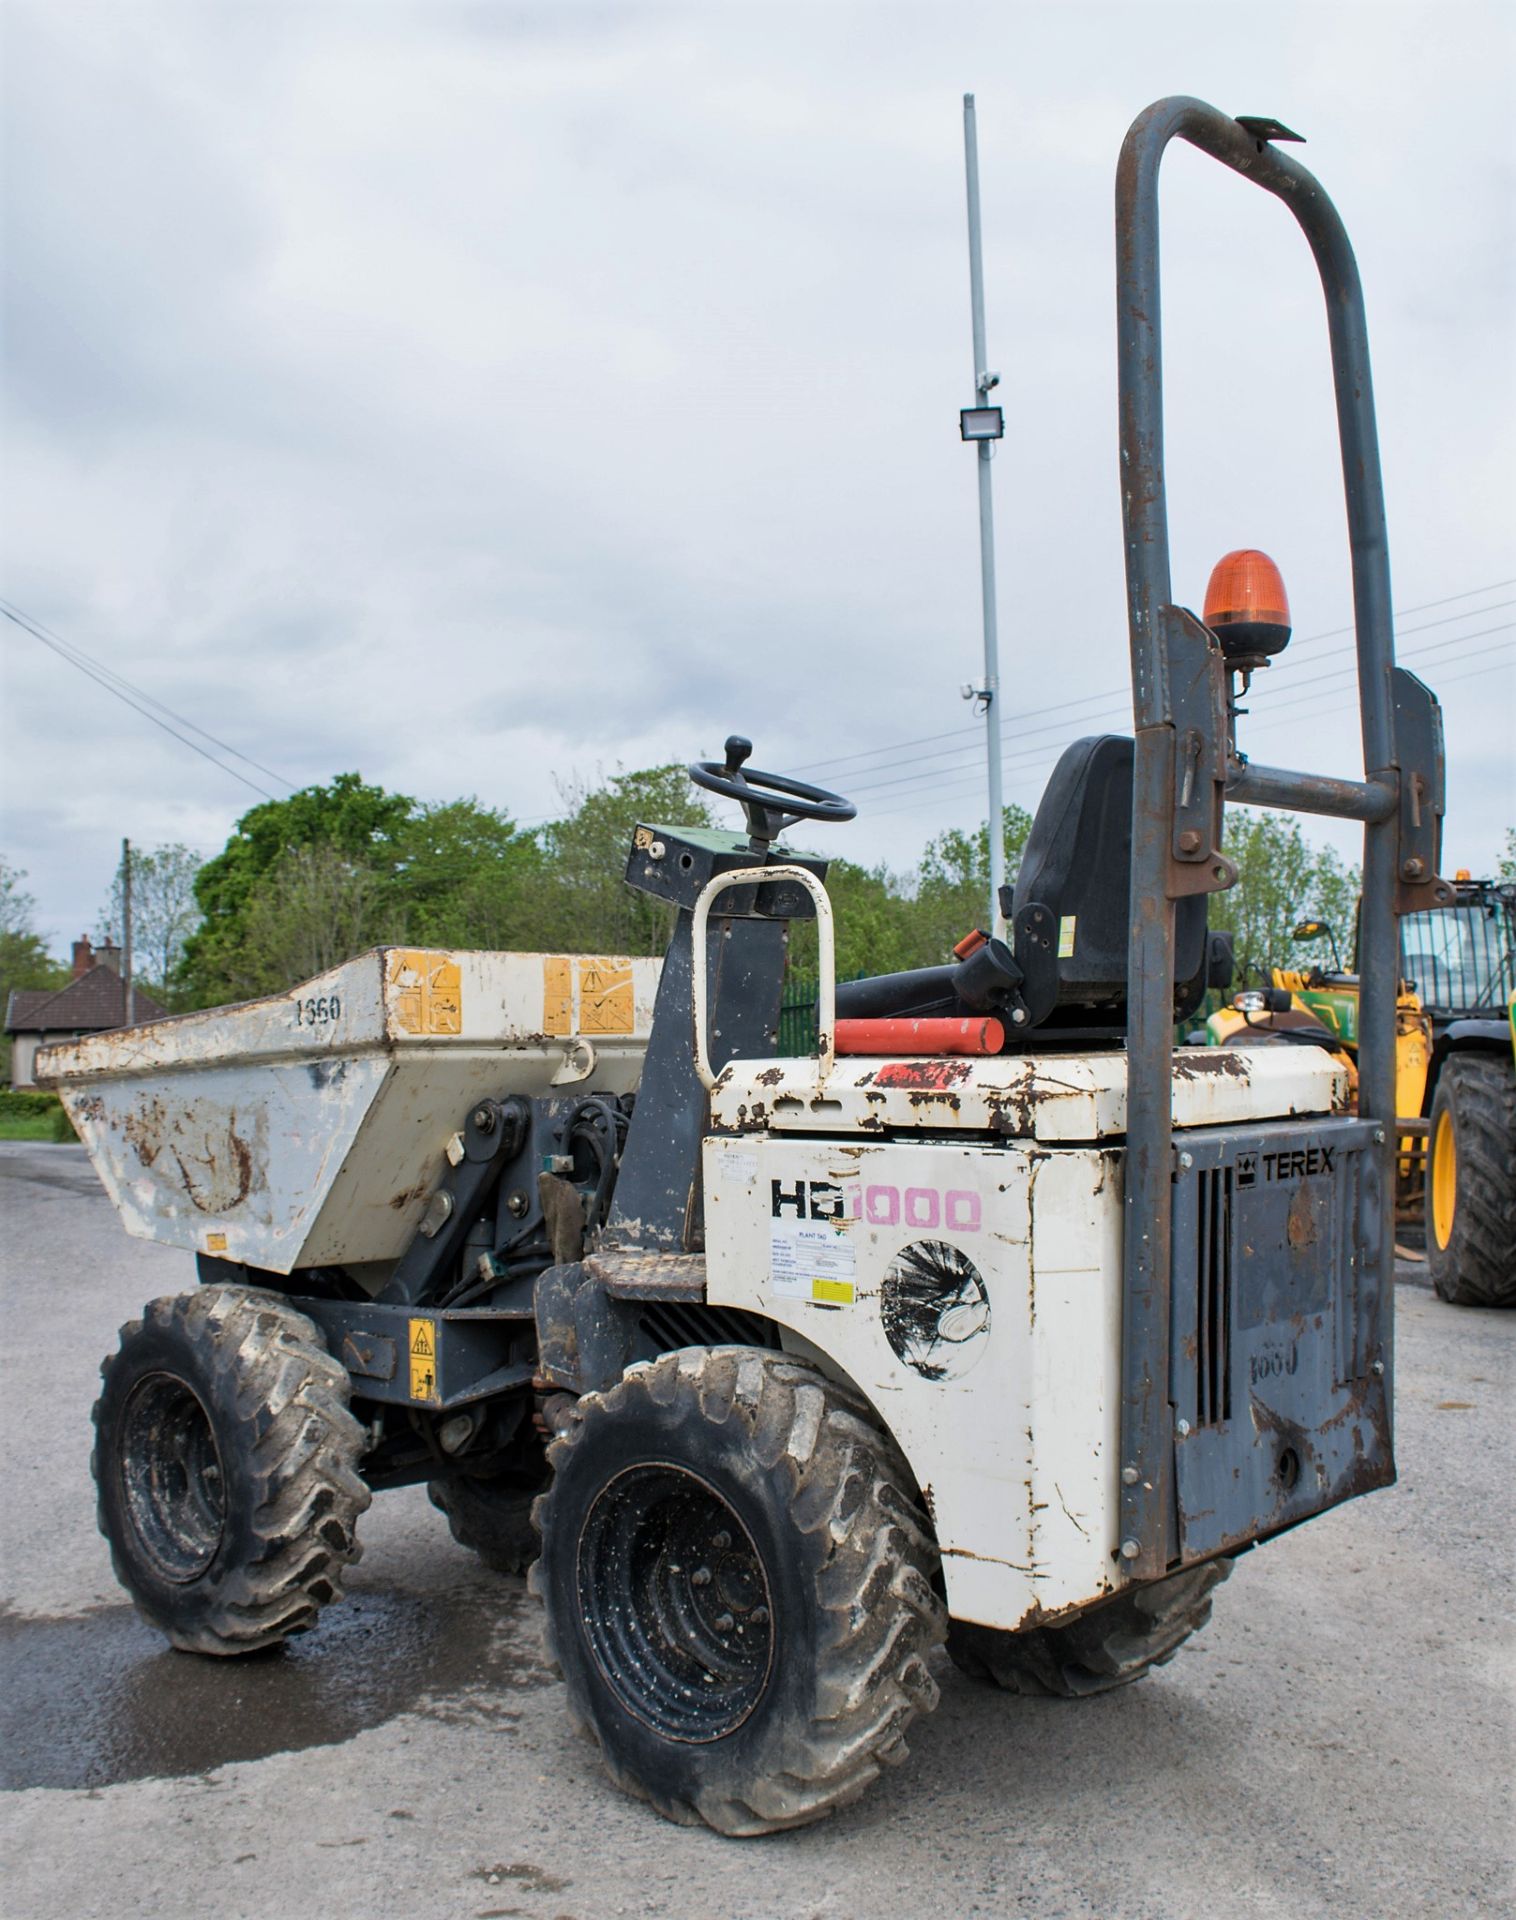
x: 98, y: 1698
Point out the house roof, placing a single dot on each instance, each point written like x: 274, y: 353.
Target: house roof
x: 91, y: 1004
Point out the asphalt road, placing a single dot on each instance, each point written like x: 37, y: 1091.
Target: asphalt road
x: 1338, y: 1742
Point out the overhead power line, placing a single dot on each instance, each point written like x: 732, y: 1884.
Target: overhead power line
x: 1124, y: 694
x: 143, y: 702
x: 1295, y: 699
x: 962, y: 784
x: 1115, y: 706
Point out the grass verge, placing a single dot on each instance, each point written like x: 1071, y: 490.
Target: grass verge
x: 33, y: 1116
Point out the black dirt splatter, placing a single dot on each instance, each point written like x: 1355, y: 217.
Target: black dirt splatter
x: 934, y: 1305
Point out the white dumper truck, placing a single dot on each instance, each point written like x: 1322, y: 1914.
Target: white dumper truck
x: 999, y: 1321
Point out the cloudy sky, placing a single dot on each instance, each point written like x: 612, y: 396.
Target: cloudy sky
x: 485, y: 396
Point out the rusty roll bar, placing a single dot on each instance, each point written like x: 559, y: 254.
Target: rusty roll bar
x: 1146, y: 1441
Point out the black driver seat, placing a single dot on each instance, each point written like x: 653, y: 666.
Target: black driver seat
x: 1070, y: 910
x: 1063, y: 973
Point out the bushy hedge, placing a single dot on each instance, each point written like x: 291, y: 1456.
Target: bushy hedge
x: 33, y: 1116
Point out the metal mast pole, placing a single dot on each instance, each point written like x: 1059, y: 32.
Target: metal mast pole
x: 126, y: 931
x: 984, y: 383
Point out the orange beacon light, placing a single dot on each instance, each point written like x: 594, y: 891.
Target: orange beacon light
x: 1246, y: 607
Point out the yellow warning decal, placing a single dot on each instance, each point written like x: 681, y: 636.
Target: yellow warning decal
x: 215, y: 1243
x: 1066, y: 929
x: 836, y: 1292
x: 423, y: 1356
x: 557, y: 994
x: 606, y: 1000
x: 603, y: 990
x: 426, y: 991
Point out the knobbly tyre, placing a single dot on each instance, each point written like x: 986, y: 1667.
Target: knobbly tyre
x: 998, y: 1321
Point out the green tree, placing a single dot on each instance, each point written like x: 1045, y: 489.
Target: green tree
x: 361, y: 824
x: 304, y: 883
x: 582, y: 902
x: 1282, y: 880
x: 878, y: 923
x: 953, y: 886
x: 16, y: 905
x: 1506, y: 866
x: 887, y: 922
x: 466, y: 876
x: 315, y: 908
x: 164, y: 913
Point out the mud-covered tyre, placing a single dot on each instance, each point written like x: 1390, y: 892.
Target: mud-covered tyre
x: 491, y: 1517
x: 226, y: 1468
x: 1109, y: 1646
x: 738, y: 1587
x: 1471, y: 1182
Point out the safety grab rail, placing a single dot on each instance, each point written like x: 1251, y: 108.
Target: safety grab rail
x: 826, y: 971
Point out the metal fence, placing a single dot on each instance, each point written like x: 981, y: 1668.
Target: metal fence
x: 797, y: 1013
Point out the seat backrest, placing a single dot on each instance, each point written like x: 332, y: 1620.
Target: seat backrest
x: 1070, y: 909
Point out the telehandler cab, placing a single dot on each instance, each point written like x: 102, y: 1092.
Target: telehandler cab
x: 999, y: 1320
x: 1455, y: 1074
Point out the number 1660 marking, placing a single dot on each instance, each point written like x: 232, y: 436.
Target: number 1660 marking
x: 319, y: 1011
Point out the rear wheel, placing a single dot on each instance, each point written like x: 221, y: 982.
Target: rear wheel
x: 1471, y: 1182
x: 1108, y: 1646
x: 493, y: 1516
x: 738, y: 1588
x: 226, y: 1463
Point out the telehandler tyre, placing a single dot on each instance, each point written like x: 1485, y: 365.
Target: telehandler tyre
x: 738, y: 1588
x: 1471, y: 1182
x: 1110, y: 1645
x: 226, y: 1463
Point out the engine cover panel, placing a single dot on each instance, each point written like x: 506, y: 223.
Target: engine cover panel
x: 1279, y: 1379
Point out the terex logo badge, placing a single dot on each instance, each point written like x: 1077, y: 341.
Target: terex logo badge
x: 1299, y: 1164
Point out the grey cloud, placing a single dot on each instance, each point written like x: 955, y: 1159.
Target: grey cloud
x: 474, y: 395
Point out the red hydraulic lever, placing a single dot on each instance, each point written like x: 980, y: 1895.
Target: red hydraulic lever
x: 928, y: 1036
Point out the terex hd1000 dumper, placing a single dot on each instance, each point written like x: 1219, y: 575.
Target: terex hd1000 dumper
x: 998, y: 1321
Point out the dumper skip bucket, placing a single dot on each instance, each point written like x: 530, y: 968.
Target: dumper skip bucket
x: 310, y: 1128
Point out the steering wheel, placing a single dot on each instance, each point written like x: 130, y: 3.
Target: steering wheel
x: 771, y: 801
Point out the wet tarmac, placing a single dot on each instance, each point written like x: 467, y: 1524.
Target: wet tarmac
x: 72, y: 1175
x: 1336, y: 1742
x: 93, y: 1699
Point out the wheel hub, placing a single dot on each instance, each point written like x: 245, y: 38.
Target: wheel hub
x: 675, y: 1603
x: 1444, y: 1178
x: 171, y: 1477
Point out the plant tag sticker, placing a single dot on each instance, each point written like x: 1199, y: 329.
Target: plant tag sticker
x: 811, y: 1261
x: 738, y: 1169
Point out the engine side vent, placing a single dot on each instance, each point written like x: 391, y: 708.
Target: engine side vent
x: 674, y: 1324
x: 1213, y: 1301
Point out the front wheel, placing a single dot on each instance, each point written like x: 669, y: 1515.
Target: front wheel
x: 1107, y: 1646
x: 738, y: 1588
x: 226, y: 1463
x: 1471, y: 1182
